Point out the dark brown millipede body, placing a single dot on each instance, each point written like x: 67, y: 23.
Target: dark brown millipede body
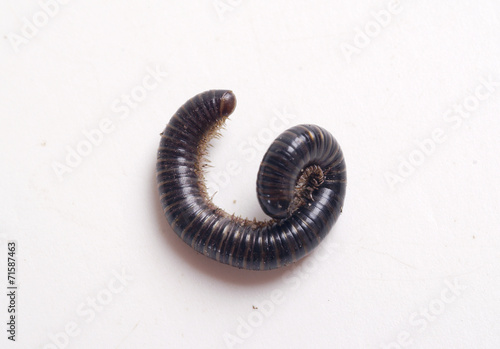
x: 301, y: 184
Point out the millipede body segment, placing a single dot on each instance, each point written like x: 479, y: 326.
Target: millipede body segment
x: 301, y: 184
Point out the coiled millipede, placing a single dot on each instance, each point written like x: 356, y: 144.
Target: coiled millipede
x: 301, y: 184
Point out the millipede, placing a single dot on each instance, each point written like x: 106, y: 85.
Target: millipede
x: 301, y: 185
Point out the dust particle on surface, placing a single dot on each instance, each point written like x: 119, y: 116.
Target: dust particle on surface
x: 43, y: 144
x: 234, y: 201
x: 254, y: 307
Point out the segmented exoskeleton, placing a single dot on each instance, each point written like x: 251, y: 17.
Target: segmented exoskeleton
x: 301, y: 184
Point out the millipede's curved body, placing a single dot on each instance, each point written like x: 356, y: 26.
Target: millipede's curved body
x: 301, y: 184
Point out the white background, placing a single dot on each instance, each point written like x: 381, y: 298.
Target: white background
x: 394, y: 252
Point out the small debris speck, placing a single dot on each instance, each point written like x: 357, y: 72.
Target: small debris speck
x: 234, y: 201
x: 254, y: 307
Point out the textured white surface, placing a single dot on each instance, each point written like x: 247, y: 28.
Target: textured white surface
x: 392, y: 255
